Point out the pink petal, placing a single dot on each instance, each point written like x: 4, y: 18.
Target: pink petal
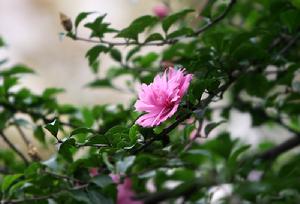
x: 160, y: 99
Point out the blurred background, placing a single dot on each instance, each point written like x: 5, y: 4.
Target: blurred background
x: 31, y: 30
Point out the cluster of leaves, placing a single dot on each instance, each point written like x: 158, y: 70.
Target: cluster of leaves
x: 248, y: 49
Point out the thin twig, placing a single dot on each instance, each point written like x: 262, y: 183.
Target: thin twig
x: 12, y: 146
x: 21, y: 132
x: 216, y: 20
x: 127, y: 43
x: 197, y: 135
x: 32, y: 151
x: 274, y: 152
x: 289, y: 44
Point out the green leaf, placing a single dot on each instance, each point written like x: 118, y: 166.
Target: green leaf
x: 154, y: 37
x: 50, y: 92
x: 81, y: 130
x: 66, y: 149
x: 148, y: 59
x: 4, y: 117
x: 115, y: 72
x: 222, y: 145
x: 81, y: 196
x: 211, y: 126
x: 123, y: 165
x: 102, y: 180
x: 95, y: 66
x: 234, y: 155
x: 170, y: 20
x: 9, y: 82
x: 39, y: 134
x: 88, y: 117
x: 118, y: 136
x: 18, y: 186
x: 249, y: 52
x: 17, y: 69
x: 53, y: 127
x: 133, y: 131
x: 181, y: 32
x: 1, y: 42
x: 33, y: 169
x: 97, y: 197
x: 132, y: 52
x: 93, y: 53
x: 107, y: 162
x: 81, y: 17
x: 260, y: 81
x: 116, y: 55
x: 9, y: 180
x: 99, y: 28
x: 290, y: 19
x: 100, y: 83
x: 198, y: 87
x: 296, y: 3
x: 137, y: 26
x: 207, y: 10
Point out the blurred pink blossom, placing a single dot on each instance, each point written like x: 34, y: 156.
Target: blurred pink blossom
x: 93, y: 172
x: 161, y: 10
x: 161, y: 98
x: 125, y: 193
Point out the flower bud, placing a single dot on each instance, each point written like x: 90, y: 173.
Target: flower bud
x: 161, y: 10
x: 33, y: 153
x: 66, y: 22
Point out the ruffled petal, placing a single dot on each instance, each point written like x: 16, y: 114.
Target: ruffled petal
x: 146, y: 120
x: 160, y: 99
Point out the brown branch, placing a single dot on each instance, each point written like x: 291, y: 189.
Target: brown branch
x: 23, y: 136
x: 32, y: 151
x: 12, y: 146
x: 274, y: 152
x: 287, y: 145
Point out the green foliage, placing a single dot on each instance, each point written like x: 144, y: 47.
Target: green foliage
x: 170, y: 20
x: 242, y: 53
x: 94, y: 53
x: 137, y: 27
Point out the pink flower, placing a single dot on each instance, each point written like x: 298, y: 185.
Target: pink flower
x: 125, y: 194
x: 161, y: 98
x: 161, y: 10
